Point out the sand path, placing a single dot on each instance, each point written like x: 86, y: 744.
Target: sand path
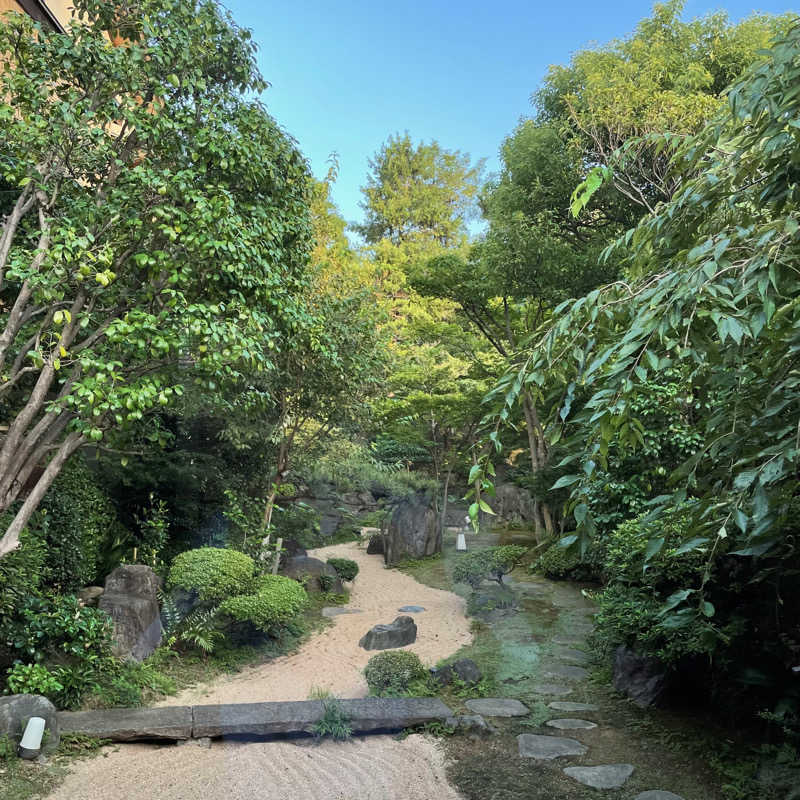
x: 372, y: 768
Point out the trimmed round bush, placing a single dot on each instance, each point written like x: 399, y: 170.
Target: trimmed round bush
x: 345, y: 568
x: 275, y: 603
x: 556, y: 562
x: 392, y: 672
x: 212, y: 572
x: 489, y: 564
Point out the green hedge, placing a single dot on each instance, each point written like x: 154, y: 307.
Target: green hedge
x: 275, y: 603
x: 491, y: 563
x: 214, y: 573
x: 345, y: 568
x: 393, y: 672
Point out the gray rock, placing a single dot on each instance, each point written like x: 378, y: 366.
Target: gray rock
x: 571, y: 724
x: 657, y: 794
x: 569, y: 673
x: 470, y: 723
x: 90, y: 595
x: 642, y: 678
x: 512, y: 503
x: 17, y: 709
x: 131, y: 600
x: 399, y: 633
x: 497, y: 707
x: 337, y: 611
x: 312, y: 568
x: 546, y: 748
x: 565, y: 705
x: 203, y: 741
x: 130, y: 724
x: 465, y: 670
x: 412, y: 609
x: 367, y: 714
x: 376, y: 545
x: 293, y: 548
x: 554, y: 689
x: 413, y: 531
x: 490, y: 598
x: 571, y: 655
x: 608, y: 776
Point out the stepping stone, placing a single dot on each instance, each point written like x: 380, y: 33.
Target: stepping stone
x: 568, y: 672
x: 608, y: 776
x: 335, y: 611
x: 412, y: 609
x: 565, y: 705
x: 657, y: 794
x: 571, y: 724
x: 552, y: 688
x: 570, y: 654
x: 497, y: 707
x: 545, y: 748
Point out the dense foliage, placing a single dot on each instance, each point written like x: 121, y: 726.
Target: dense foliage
x: 393, y: 672
x: 274, y: 603
x: 214, y: 573
x: 489, y: 564
x: 346, y: 568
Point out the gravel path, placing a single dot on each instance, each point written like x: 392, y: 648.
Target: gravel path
x: 372, y: 768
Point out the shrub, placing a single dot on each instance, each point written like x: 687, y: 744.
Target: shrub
x: 22, y: 573
x: 277, y: 601
x: 214, y: 573
x: 326, y: 582
x: 393, y: 672
x: 560, y: 563
x: 334, y: 722
x: 33, y: 679
x: 345, y: 568
x: 492, y: 563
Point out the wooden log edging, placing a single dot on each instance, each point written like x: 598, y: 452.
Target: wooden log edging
x: 172, y: 723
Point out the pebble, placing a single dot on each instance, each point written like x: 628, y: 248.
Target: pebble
x: 497, y: 707
x: 571, y: 724
x: 607, y: 776
x: 545, y: 748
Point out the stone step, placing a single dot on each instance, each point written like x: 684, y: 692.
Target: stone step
x: 546, y: 748
x: 606, y: 776
x: 571, y: 724
x: 257, y: 719
x: 497, y: 707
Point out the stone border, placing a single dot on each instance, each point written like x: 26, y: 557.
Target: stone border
x: 171, y: 723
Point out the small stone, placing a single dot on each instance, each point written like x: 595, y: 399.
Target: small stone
x: 565, y: 705
x: 608, y: 776
x: 657, y: 794
x: 335, y: 611
x: 572, y: 655
x: 465, y: 670
x: 553, y: 689
x: 203, y: 741
x: 567, y: 672
x: 412, y: 609
x: 571, y: 724
x: 497, y: 707
x: 545, y: 748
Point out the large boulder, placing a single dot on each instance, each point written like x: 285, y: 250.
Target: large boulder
x: 399, y: 633
x: 413, y: 530
x: 305, y: 567
x: 131, y: 600
x: 464, y: 670
x: 376, y: 545
x: 642, y: 678
x: 90, y: 595
x: 512, y: 503
x: 17, y: 709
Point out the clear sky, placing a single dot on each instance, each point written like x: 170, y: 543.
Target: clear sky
x: 347, y: 74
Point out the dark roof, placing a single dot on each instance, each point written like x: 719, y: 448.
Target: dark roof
x: 39, y: 11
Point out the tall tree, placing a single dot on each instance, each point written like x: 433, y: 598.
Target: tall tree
x: 159, y: 232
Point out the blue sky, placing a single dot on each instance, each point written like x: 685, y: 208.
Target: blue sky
x: 347, y: 74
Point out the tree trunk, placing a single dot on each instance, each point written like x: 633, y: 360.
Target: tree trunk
x: 542, y: 518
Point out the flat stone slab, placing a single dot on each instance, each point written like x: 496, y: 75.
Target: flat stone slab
x: 497, y: 707
x: 568, y: 672
x: 608, y: 776
x: 554, y: 689
x: 130, y: 724
x: 335, y: 611
x: 657, y: 794
x: 565, y: 705
x: 572, y: 655
x: 412, y: 609
x: 571, y: 724
x: 546, y: 748
x: 366, y: 714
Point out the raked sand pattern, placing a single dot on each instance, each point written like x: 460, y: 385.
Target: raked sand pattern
x: 372, y: 768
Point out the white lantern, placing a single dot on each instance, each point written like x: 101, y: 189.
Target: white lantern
x: 31, y: 743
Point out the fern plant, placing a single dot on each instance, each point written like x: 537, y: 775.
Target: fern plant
x: 197, y: 629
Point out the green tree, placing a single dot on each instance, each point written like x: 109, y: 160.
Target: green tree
x: 417, y: 200
x: 159, y: 231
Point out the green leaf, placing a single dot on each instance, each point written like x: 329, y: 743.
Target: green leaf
x: 486, y: 507
x: 565, y: 480
x: 692, y: 544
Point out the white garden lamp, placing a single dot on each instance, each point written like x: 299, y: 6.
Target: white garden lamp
x: 31, y: 743
x: 461, y: 539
